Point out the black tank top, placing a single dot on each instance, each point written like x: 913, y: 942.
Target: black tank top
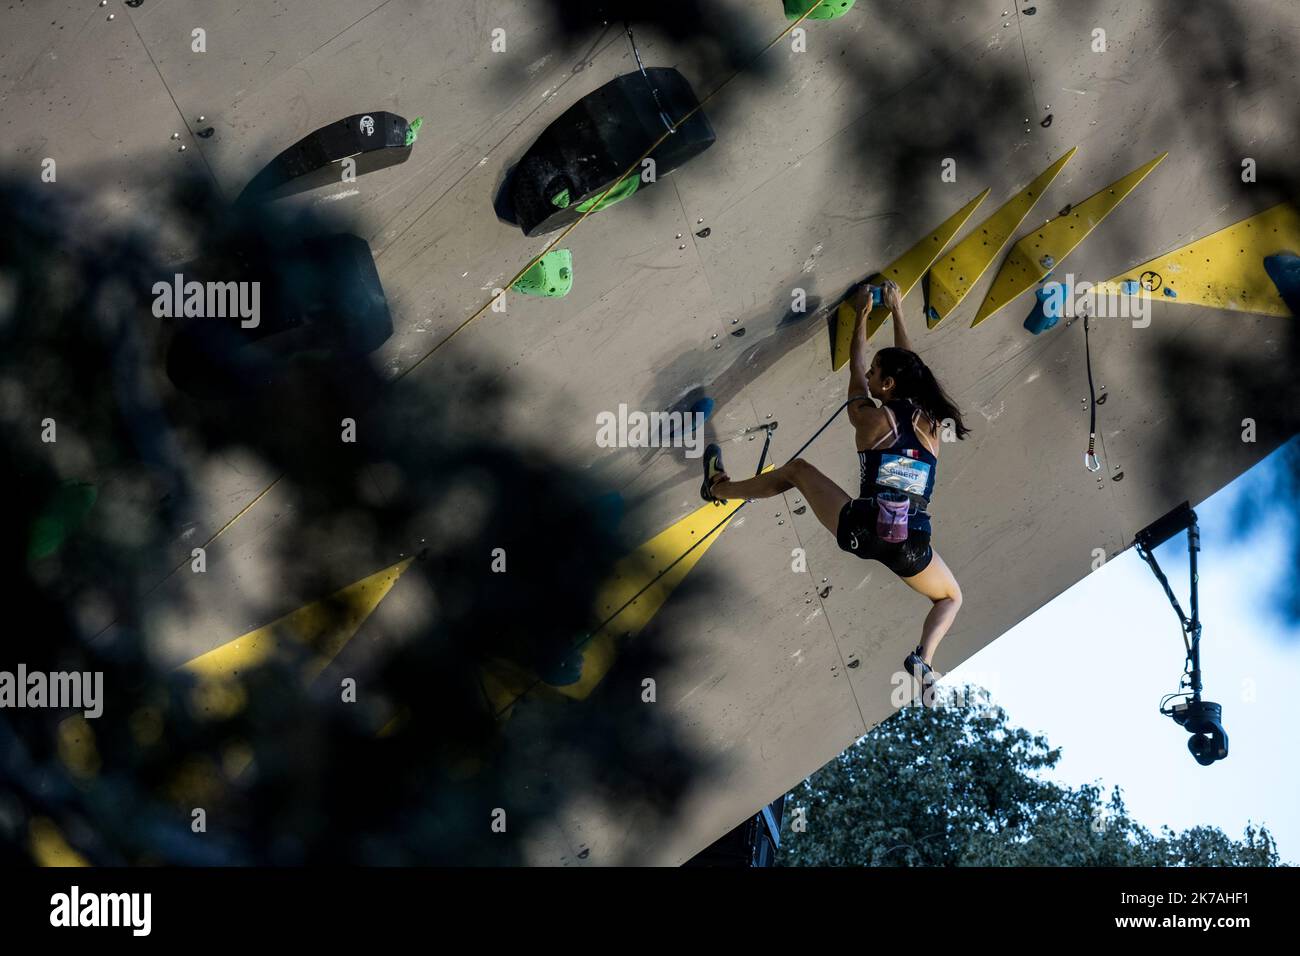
x: 905, y: 465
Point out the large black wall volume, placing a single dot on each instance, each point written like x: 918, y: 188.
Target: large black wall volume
x: 321, y: 297
x: 598, y: 138
x: 376, y: 140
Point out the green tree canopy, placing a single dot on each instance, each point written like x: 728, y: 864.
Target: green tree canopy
x: 956, y: 785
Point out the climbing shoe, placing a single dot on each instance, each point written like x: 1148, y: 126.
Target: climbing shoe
x: 713, y: 470
x: 918, y: 668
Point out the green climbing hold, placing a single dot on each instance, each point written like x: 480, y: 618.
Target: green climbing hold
x: 561, y: 199
x: 829, y: 10
x: 626, y: 187
x: 413, y: 129
x: 551, y: 276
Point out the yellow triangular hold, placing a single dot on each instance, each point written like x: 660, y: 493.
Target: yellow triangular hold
x: 642, y: 581
x: 953, y: 278
x: 906, y: 270
x: 1224, y: 270
x: 325, y: 626
x: 638, y: 572
x: 1042, y: 251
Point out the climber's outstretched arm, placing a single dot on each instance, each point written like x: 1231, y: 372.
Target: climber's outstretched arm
x: 894, y: 300
x: 860, y: 301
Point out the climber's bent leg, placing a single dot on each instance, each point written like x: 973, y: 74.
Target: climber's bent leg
x: 824, y: 495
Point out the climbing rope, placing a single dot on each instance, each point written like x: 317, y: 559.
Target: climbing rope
x: 704, y: 537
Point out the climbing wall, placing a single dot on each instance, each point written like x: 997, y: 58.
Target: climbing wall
x: 964, y: 150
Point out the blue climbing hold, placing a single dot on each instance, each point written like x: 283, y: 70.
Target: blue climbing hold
x: 703, y: 407
x: 1048, y: 308
x: 699, y: 412
x: 1284, y: 269
x: 1130, y: 286
x: 1170, y: 293
x: 1052, y: 295
x: 563, y: 672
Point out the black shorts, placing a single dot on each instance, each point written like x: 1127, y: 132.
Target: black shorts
x: 856, y: 534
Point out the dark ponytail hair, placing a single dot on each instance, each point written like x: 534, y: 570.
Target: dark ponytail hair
x: 913, y: 379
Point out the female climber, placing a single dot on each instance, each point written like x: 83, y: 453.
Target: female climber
x: 898, y: 446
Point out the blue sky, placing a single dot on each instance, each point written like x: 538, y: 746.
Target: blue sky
x: 1114, y: 639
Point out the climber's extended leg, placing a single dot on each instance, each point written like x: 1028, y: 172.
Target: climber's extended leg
x: 825, y: 496
x: 938, y: 584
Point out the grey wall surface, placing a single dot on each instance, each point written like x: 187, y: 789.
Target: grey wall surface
x: 826, y: 167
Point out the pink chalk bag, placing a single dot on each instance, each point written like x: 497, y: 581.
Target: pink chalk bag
x: 891, y: 516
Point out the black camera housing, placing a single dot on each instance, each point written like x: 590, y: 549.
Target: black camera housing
x: 1203, y: 719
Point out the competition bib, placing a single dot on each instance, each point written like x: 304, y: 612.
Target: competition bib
x: 905, y: 474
